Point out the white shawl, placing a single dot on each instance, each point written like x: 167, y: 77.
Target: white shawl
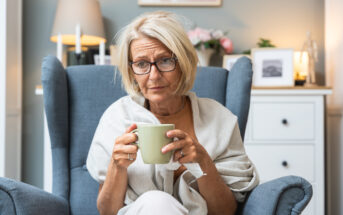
x: 216, y: 128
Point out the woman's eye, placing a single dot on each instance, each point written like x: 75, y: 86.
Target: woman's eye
x: 142, y: 64
x: 166, y: 60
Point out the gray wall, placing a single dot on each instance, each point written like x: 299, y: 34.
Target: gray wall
x: 284, y: 22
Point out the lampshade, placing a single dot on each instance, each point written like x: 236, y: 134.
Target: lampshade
x: 87, y: 14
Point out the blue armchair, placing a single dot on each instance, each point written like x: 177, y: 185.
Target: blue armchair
x: 75, y: 99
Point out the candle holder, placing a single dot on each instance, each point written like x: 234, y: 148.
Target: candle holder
x: 83, y: 58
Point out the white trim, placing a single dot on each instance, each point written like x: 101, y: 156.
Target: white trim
x: 47, y: 166
x: 3, y: 26
x: 10, y: 88
x: 47, y: 158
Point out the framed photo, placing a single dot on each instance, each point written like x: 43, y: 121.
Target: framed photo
x: 179, y: 2
x: 230, y: 60
x: 273, y: 67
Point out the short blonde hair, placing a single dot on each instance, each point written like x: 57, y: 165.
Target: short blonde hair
x: 165, y: 27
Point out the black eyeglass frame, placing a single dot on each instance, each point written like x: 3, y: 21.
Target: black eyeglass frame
x: 154, y: 63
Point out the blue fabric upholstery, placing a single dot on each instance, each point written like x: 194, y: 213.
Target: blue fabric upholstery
x: 211, y: 81
x: 91, y: 90
x: 76, y: 97
x: 286, y: 195
x: 23, y: 199
x: 238, y: 91
x: 211, y: 84
x: 57, y: 102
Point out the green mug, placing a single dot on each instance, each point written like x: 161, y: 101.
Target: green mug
x: 151, y: 139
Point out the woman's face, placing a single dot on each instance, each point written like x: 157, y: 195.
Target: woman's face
x: 155, y: 86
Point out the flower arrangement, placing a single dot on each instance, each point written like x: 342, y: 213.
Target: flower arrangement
x: 210, y: 39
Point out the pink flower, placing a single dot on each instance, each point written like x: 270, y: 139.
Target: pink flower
x: 226, y: 43
x: 217, y: 34
x: 193, y: 37
x: 210, y: 39
x: 199, y: 34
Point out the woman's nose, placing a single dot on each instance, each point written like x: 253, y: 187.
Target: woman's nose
x: 154, y: 73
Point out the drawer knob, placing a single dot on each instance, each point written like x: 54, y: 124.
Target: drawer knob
x: 284, y: 121
x: 284, y: 163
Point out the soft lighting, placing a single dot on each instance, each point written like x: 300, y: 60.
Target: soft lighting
x: 87, y: 14
x: 78, y: 22
x: 300, y: 65
x: 85, y: 40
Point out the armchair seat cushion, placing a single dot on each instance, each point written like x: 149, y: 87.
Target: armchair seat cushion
x: 20, y: 198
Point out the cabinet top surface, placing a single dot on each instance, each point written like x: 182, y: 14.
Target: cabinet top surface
x: 308, y: 90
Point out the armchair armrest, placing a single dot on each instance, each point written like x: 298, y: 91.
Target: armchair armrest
x: 285, y: 195
x: 20, y: 198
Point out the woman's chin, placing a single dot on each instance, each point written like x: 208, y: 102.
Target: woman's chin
x: 158, y: 98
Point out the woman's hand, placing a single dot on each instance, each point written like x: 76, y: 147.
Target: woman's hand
x: 124, y: 152
x: 187, y: 149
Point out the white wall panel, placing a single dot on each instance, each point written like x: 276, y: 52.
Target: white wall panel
x: 10, y: 88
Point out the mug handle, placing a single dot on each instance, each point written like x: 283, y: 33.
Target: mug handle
x: 135, y: 131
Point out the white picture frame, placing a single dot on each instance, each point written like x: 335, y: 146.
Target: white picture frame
x: 212, y: 3
x: 230, y: 60
x: 273, y: 67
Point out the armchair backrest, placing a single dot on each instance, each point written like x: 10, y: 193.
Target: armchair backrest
x: 76, y: 97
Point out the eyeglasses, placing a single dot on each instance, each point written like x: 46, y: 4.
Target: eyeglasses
x: 143, y: 67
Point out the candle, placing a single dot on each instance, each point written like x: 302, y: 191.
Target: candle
x: 102, y: 52
x: 301, y: 65
x: 59, y: 47
x: 78, y: 39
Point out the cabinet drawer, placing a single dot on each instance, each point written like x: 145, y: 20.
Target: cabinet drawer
x: 276, y: 161
x: 282, y: 121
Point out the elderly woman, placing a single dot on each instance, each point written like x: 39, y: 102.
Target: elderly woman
x: 158, y: 66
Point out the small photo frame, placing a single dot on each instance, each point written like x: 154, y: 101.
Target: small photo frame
x: 273, y: 67
x: 230, y: 60
x: 180, y: 2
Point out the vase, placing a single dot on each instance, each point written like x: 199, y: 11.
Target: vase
x: 204, y: 56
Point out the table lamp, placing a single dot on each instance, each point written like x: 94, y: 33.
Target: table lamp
x: 79, y: 23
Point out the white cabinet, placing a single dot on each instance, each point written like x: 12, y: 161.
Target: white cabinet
x: 285, y: 136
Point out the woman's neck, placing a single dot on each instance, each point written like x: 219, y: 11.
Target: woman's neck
x: 172, y: 106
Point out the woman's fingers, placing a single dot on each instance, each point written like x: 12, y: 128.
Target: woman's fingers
x: 125, y: 149
x: 176, y: 133
x: 125, y: 156
x: 178, y: 154
x: 174, y: 146
x: 127, y: 138
x: 131, y: 128
x: 185, y: 155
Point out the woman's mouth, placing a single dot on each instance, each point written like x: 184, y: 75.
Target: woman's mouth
x: 156, y: 88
